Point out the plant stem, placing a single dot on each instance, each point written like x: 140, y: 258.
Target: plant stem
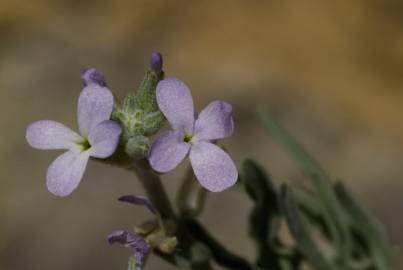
x: 157, y: 195
x: 220, y: 254
x: 153, y: 187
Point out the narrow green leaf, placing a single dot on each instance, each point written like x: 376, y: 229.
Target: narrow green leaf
x: 307, y: 164
x: 301, y: 233
x: 313, y: 209
x: 264, y: 218
x: 321, y: 183
x: 368, y: 228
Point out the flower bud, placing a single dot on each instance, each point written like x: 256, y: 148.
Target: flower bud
x: 156, y: 61
x: 139, y: 114
x: 91, y: 76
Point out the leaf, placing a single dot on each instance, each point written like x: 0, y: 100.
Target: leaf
x: 321, y: 184
x: 368, y: 229
x: 264, y: 218
x: 300, y: 231
x: 308, y: 164
x: 311, y: 207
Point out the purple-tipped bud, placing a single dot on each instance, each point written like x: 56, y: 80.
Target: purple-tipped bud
x: 91, y: 76
x: 156, y: 61
x: 139, y: 200
x: 137, y: 243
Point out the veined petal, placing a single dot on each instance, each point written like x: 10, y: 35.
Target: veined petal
x: 215, y: 121
x: 176, y: 103
x: 104, y: 138
x: 95, y: 105
x: 48, y: 134
x: 168, y: 151
x: 66, y: 171
x: 212, y: 166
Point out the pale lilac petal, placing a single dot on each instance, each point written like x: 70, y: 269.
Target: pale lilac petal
x: 91, y: 75
x: 215, y: 121
x: 95, y: 105
x: 175, y: 101
x: 212, y: 166
x: 48, y: 134
x: 66, y: 171
x: 168, y: 151
x: 139, y: 200
x: 104, y: 138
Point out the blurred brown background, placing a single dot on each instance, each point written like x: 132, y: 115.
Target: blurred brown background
x: 330, y: 71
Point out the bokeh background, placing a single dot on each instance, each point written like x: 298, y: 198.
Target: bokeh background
x: 331, y: 72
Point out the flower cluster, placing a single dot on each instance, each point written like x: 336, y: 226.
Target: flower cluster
x: 122, y: 134
x: 98, y: 137
x: 143, y: 240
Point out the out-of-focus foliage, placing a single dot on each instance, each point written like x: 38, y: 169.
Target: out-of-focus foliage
x: 354, y: 239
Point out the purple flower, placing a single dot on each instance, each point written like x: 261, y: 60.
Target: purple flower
x: 98, y: 135
x: 194, y: 136
x: 140, y: 246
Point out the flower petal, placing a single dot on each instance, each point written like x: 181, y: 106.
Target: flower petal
x: 104, y: 138
x: 212, y: 166
x: 215, y: 121
x: 95, y: 105
x: 175, y: 101
x: 168, y: 151
x: 66, y: 171
x: 139, y: 200
x: 48, y: 134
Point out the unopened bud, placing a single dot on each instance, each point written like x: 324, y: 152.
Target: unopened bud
x: 92, y: 76
x: 156, y: 61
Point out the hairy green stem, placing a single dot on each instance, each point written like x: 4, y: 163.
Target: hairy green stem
x: 154, y: 189
x: 157, y: 195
